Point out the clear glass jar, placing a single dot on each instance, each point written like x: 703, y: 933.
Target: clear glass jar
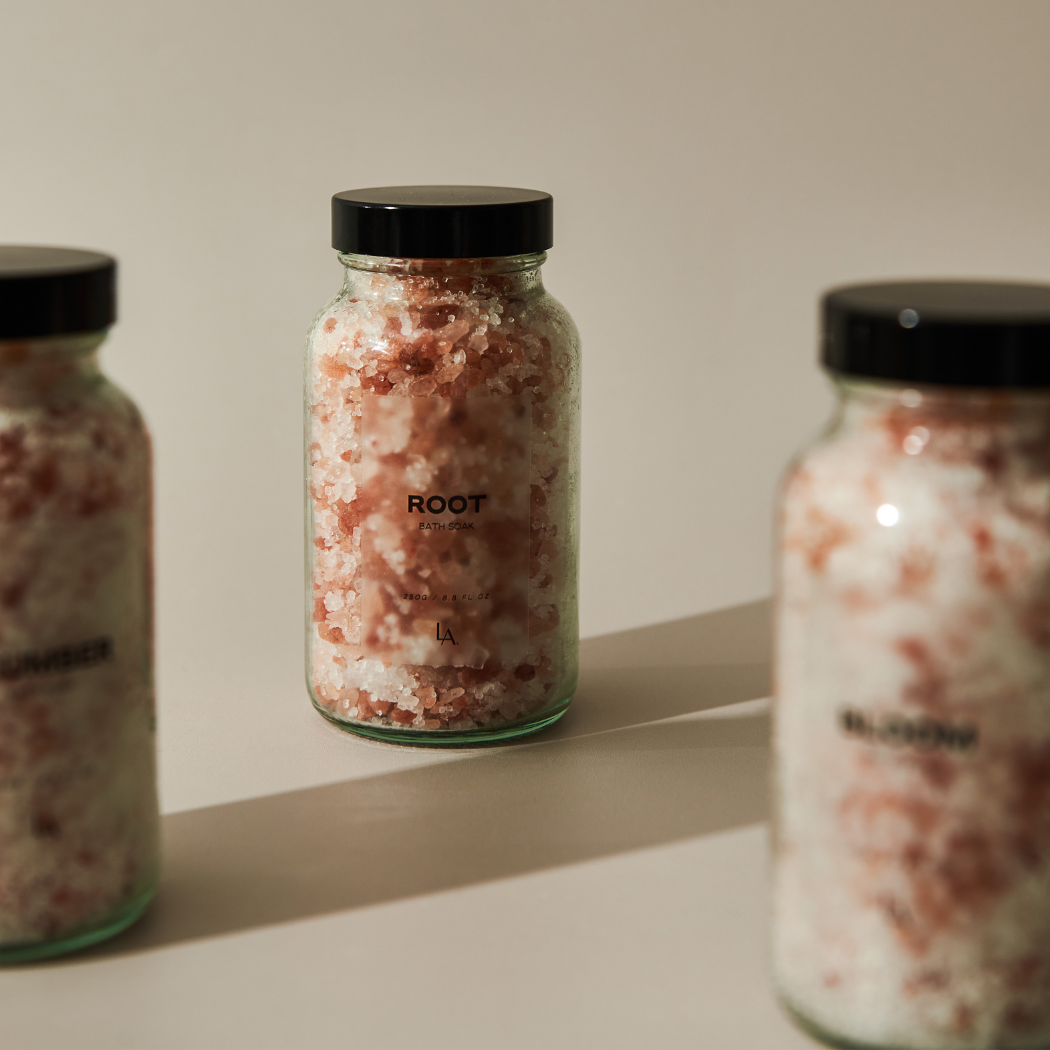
x: 79, y: 824
x: 442, y: 434
x: 912, y: 693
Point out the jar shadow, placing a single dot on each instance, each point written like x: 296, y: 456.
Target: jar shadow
x: 643, y: 675
x: 598, y: 785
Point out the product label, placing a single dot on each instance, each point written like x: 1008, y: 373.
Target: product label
x: 56, y: 660
x: 922, y: 733
x: 443, y: 488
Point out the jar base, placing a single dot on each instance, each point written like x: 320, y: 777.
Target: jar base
x: 83, y: 938
x: 826, y: 1037
x: 453, y: 737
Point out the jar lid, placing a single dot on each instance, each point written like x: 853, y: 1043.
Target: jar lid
x: 952, y: 333
x: 55, y: 291
x: 442, y: 222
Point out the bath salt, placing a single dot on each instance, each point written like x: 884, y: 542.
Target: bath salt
x: 442, y: 394
x: 912, y: 708
x: 78, y: 805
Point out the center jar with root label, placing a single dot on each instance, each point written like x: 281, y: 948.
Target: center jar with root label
x: 442, y: 445
x: 912, y: 706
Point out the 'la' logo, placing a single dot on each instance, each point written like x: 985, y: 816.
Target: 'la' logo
x: 446, y: 637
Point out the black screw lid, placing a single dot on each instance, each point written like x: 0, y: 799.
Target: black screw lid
x: 442, y: 222
x: 952, y: 333
x: 55, y: 291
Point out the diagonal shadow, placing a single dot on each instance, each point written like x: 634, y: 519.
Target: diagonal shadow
x: 602, y: 784
x: 350, y: 845
x: 643, y: 675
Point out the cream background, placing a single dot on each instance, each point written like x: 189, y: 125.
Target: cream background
x: 715, y: 165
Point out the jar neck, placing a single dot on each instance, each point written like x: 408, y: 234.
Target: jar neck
x: 502, y: 275
x: 47, y: 368
x: 1022, y: 414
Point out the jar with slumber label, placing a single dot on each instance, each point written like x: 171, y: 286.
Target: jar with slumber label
x: 912, y: 684
x: 79, y: 823
x: 442, y: 447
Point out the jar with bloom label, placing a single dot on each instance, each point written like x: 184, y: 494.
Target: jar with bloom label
x: 442, y: 439
x: 912, y: 706
x: 79, y: 825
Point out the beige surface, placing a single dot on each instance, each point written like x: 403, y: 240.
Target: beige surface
x: 602, y: 885
x: 715, y: 165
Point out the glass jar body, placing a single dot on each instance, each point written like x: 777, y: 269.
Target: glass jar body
x: 79, y: 823
x: 442, y: 440
x: 912, y: 722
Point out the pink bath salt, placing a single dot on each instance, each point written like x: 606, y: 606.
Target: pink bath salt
x: 78, y: 807
x: 912, y: 847
x: 442, y: 440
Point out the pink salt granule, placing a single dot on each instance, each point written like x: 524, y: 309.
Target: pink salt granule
x: 427, y: 340
x: 912, y: 852
x: 78, y: 808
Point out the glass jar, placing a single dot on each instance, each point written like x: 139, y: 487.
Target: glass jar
x: 912, y: 682
x: 442, y: 441
x: 78, y: 803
